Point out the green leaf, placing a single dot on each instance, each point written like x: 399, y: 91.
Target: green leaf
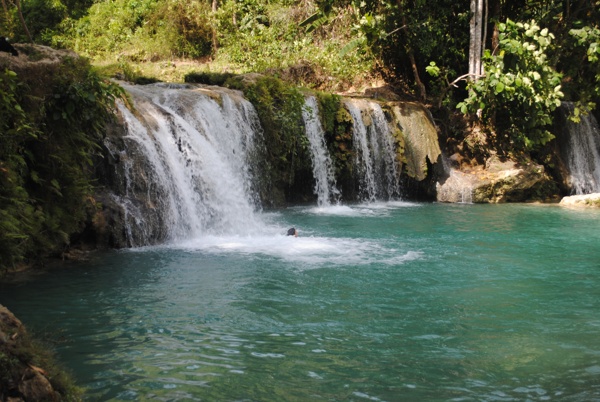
x: 314, y: 21
x: 499, y: 87
x: 353, y: 44
x: 432, y: 69
x: 34, y: 176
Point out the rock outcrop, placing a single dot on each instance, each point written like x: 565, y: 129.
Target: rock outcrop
x: 498, y: 181
x: 21, y: 380
x: 585, y: 200
x: 421, y: 145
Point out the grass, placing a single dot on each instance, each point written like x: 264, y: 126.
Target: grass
x: 279, y: 48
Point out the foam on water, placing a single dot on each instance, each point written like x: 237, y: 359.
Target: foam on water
x: 305, y: 251
x: 364, y: 209
x: 311, y: 249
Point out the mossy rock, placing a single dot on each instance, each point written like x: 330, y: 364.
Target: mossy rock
x: 27, y: 369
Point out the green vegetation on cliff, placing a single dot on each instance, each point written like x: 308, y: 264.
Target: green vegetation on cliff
x: 52, y: 117
x: 279, y: 108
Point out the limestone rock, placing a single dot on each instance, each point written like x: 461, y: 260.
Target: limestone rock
x: 420, y: 138
x: 585, y: 200
x: 38, y: 63
x: 499, y: 181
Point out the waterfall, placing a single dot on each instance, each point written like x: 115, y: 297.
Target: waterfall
x: 583, y: 153
x: 375, y: 151
x: 457, y: 186
x: 325, y: 185
x: 187, y: 163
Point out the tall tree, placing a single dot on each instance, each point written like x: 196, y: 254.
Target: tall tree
x: 17, y: 4
x: 477, y: 25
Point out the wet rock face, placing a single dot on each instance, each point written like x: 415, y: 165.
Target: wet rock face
x: 118, y: 194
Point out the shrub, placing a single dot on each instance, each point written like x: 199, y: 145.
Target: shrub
x: 520, y: 89
x: 50, y: 136
x: 208, y: 78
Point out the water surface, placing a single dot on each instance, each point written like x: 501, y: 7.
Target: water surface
x: 379, y: 302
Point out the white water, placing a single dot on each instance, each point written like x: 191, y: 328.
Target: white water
x: 458, y: 186
x: 325, y: 185
x: 375, y: 151
x: 583, y: 154
x: 307, y: 251
x: 187, y: 170
x: 197, y: 150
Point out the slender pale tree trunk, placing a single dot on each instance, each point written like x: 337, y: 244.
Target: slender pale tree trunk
x: 215, y: 39
x: 476, y: 37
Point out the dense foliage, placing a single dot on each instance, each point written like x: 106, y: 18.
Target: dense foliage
x: 520, y: 90
x: 327, y: 44
x: 425, y: 44
x: 50, y: 131
x: 235, y: 35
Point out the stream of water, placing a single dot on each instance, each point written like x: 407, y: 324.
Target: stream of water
x: 376, y: 302
x: 583, y: 153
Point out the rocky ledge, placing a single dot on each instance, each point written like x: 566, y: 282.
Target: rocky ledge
x: 27, y: 372
x: 586, y: 200
x: 497, y: 182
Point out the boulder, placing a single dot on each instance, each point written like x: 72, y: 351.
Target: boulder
x: 21, y: 380
x: 585, y: 200
x: 497, y: 182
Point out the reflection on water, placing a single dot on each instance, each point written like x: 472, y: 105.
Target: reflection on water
x: 381, y: 302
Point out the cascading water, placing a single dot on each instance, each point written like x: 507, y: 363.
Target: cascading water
x: 325, y: 184
x: 457, y: 187
x: 583, y: 153
x: 374, y: 143
x: 192, y: 171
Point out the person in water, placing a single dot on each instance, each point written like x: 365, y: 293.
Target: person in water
x: 292, y: 232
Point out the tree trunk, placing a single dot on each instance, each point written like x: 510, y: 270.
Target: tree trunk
x: 18, y: 2
x: 420, y: 85
x: 215, y: 39
x: 496, y: 12
x: 5, y: 7
x: 411, y: 56
x: 475, y: 44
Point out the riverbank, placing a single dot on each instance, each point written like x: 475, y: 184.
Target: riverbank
x: 28, y: 369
